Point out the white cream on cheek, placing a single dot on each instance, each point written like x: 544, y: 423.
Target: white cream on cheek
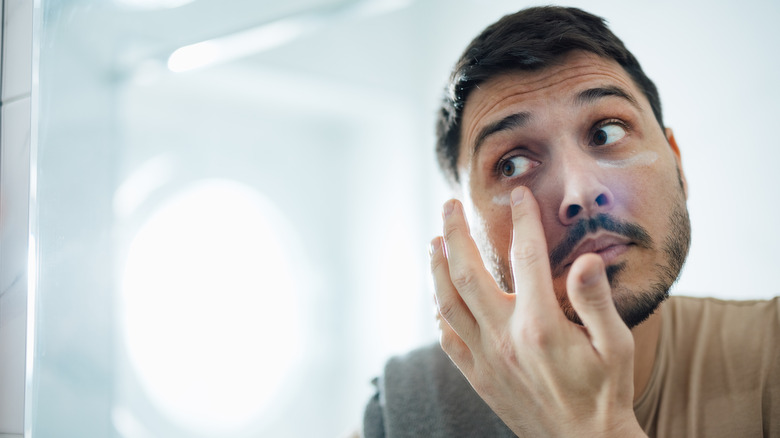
x: 501, y: 199
x: 645, y: 158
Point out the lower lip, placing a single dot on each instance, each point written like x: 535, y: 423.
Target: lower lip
x: 610, y: 253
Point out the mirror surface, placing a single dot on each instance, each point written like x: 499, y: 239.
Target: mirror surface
x: 234, y: 197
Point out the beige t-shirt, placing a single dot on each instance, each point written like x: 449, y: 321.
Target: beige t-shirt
x: 717, y: 373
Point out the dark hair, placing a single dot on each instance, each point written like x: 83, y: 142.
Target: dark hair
x: 530, y: 39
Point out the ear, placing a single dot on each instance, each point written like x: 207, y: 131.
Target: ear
x: 673, y: 144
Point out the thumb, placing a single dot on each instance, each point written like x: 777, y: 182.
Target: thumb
x: 591, y: 296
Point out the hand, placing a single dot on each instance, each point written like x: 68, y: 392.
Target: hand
x: 540, y: 373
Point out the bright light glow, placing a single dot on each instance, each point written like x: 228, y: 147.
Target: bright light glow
x: 238, y: 45
x: 194, y: 56
x: 209, y: 307
x: 152, y: 4
x: 268, y: 36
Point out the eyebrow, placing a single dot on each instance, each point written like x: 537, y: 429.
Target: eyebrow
x: 519, y: 120
x: 593, y: 94
x: 512, y: 121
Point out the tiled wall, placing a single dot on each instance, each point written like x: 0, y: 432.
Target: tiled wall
x: 17, y: 19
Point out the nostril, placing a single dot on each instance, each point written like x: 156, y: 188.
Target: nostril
x: 573, y: 210
x: 601, y: 200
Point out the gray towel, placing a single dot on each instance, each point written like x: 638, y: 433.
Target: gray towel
x: 423, y: 394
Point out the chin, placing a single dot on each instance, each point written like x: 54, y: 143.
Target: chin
x: 634, y: 305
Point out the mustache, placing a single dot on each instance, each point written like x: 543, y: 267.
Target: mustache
x: 636, y: 233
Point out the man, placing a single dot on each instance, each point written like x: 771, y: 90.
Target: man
x: 553, y: 271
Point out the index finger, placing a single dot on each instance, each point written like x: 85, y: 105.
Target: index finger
x: 530, y: 260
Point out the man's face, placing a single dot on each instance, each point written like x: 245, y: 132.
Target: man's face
x: 584, y: 139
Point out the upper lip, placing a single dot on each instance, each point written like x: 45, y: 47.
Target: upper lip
x: 595, y: 243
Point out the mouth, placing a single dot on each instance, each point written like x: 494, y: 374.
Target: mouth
x: 610, y: 247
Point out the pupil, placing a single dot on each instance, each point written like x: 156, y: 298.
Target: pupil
x: 509, y: 168
x: 600, y: 137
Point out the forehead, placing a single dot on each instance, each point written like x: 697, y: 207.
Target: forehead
x: 560, y: 83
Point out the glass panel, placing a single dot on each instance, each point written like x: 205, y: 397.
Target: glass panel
x: 214, y: 244
x: 232, y: 198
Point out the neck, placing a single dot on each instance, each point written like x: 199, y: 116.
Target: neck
x: 646, y: 343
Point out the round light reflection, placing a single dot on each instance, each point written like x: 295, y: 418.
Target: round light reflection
x: 209, y: 305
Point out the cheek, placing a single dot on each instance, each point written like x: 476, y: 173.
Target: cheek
x: 649, y: 194
x: 491, y: 227
x: 499, y: 229
x: 628, y: 188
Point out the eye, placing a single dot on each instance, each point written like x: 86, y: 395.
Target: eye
x: 608, y: 133
x: 516, y: 166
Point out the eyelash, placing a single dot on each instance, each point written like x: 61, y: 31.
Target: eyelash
x: 608, y: 122
x: 514, y: 154
x: 605, y: 122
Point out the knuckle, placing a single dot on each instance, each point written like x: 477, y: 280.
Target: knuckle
x: 447, y: 310
x: 447, y: 341
x: 450, y: 229
x: 526, y: 253
x: 465, y: 279
x: 453, y: 346
x: 534, y: 334
x: 594, y: 299
x: 437, y: 261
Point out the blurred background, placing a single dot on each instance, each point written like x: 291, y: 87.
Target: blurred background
x: 230, y: 201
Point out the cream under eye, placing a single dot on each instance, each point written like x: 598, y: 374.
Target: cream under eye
x: 515, y: 166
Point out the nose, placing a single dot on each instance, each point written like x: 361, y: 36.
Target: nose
x: 585, y: 194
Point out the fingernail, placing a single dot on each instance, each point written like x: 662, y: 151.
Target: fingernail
x: 432, y: 247
x: 517, y: 195
x: 449, y: 206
